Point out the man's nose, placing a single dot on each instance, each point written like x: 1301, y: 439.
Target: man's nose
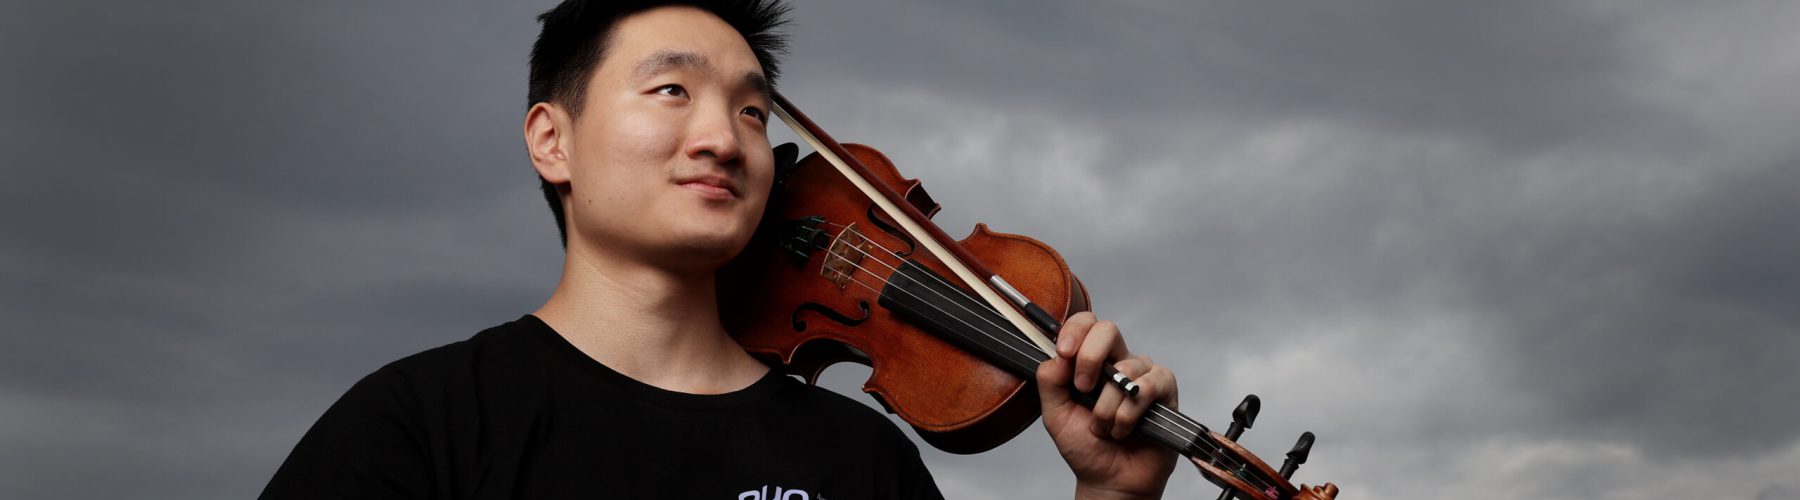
x: 712, y: 135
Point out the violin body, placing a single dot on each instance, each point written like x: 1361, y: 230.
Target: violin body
x: 808, y: 292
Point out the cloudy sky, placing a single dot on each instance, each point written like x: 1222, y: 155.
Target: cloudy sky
x: 1522, y: 249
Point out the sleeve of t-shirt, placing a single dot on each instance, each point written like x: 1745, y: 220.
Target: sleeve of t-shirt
x: 914, y: 480
x: 367, y: 445
x: 922, y: 487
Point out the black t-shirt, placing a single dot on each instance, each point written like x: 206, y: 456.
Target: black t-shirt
x: 518, y: 412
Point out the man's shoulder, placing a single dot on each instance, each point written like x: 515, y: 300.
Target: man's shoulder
x: 378, y: 435
x: 826, y: 407
x: 839, y: 425
x: 505, y: 337
x: 444, y: 363
x: 830, y: 401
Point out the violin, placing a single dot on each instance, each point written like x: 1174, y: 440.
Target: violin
x: 846, y: 266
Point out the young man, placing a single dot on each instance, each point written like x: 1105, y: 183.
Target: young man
x: 648, y: 127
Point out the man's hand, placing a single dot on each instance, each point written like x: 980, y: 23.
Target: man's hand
x: 1107, y: 461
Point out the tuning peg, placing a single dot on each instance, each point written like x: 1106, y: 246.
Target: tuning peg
x: 1297, y: 456
x: 1241, y: 418
x: 1244, y: 416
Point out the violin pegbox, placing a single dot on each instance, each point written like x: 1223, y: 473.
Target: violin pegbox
x: 1236, y: 480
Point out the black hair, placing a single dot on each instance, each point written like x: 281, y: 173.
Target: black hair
x: 574, y: 41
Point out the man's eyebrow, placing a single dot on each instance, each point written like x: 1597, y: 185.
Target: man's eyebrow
x: 757, y: 82
x: 666, y: 60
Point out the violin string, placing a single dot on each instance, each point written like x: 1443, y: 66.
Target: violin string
x: 940, y: 295
x: 1217, y: 454
x: 1187, y: 424
x: 872, y: 289
x: 1191, y: 432
x: 934, y: 276
x: 1192, y: 426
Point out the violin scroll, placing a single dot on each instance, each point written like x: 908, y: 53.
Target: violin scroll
x: 1326, y: 492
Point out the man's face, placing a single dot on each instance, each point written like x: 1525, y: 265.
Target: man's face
x: 669, y: 160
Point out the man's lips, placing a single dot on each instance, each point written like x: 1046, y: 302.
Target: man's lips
x: 716, y: 186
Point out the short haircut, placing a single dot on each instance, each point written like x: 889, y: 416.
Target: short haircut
x: 574, y: 40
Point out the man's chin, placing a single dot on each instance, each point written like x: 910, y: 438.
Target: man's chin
x: 708, y: 251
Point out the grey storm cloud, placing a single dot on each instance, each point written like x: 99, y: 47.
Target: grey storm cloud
x: 1484, y: 250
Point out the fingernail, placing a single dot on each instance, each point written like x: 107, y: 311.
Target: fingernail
x: 1084, y: 381
x: 1063, y: 347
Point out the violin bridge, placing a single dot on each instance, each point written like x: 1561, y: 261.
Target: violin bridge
x: 844, y: 256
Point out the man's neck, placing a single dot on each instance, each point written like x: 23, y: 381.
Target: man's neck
x: 656, y: 326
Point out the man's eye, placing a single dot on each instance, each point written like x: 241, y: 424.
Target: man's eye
x: 758, y: 113
x: 672, y: 90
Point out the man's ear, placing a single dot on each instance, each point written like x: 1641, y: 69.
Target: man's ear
x: 547, y: 128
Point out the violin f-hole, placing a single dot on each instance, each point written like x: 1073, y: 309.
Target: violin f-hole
x: 828, y: 313
x: 877, y: 218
